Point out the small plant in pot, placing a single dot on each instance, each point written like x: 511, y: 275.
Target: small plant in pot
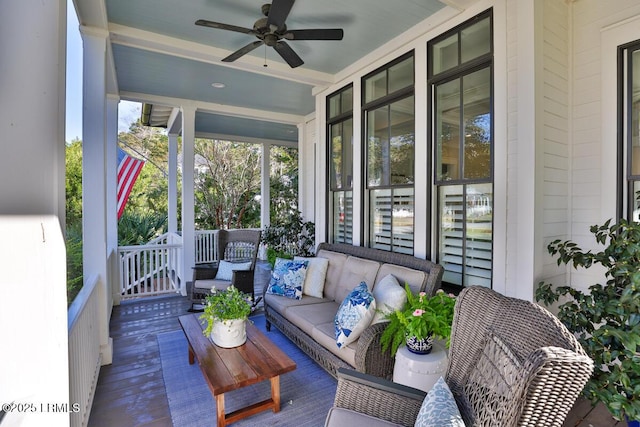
x: 606, y: 319
x: 226, y: 313
x: 421, y: 320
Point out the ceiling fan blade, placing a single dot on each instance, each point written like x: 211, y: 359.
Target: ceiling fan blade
x: 315, y: 34
x: 288, y: 54
x: 212, y: 24
x: 241, y: 52
x: 278, y: 12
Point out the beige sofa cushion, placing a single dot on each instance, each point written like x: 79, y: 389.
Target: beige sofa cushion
x: 325, y: 335
x: 306, y: 317
x: 354, y: 271
x: 336, y: 262
x: 415, y: 278
x: 281, y: 304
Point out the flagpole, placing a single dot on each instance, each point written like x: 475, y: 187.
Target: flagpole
x: 145, y: 158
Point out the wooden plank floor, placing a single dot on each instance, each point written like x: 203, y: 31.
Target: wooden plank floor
x: 131, y: 391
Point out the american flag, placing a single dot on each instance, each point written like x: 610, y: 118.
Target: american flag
x: 128, y: 170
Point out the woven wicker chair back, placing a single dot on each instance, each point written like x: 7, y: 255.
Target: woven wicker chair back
x: 511, y: 362
x: 239, y: 245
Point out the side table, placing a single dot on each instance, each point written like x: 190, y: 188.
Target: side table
x: 420, y: 371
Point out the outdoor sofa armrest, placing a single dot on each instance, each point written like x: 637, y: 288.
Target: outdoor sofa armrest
x: 378, y: 397
x: 370, y: 358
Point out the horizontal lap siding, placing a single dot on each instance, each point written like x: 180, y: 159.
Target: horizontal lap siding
x: 555, y: 129
x: 589, y: 18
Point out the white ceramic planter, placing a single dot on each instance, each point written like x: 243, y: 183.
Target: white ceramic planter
x: 229, y: 333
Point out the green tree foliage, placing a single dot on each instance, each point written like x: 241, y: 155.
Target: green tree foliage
x: 74, y: 261
x: 73, y: 182
x: 227, y: 183
x: 73, y: 188
x: 283, y: 185
x: 139, y: 228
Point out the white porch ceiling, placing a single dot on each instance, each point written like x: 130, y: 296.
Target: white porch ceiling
x: 161, y: 57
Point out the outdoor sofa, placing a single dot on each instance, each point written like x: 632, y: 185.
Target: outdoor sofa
x: 309, y: 321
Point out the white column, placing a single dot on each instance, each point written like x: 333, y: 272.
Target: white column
x: 358, y: 161
x: 306, y: 169
x: 528, y: 189
x: 320, y: 168
x: 32, y: 107
x: 188, y: 215
x: 111, y: 175
x: 32, y: 202
x: 172, y: 197
x: 94, y: 172
x: 421, y: 244
x: 265, y: 189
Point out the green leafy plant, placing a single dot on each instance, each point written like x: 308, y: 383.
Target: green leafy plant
x: 606, y: 319
x: 292, y: 236
x: 225, y: 305
x: 421, y: 316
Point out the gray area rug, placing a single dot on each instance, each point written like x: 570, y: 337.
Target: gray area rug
x: 307, y: 393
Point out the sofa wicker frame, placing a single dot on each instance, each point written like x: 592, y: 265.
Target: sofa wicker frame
x: 553, y: 371
x: 369, y: 356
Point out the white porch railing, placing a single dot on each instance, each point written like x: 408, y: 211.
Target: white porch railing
x: 206, y: 246
x: 84, y: 351
x: 151, y: 269
x: 156, y: 268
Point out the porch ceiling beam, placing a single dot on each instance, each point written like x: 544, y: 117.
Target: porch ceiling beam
x: 93, y: 13
x: 247, y: 139
x: 140, y: 39
x: 174, y: 124
x: 209, y: 107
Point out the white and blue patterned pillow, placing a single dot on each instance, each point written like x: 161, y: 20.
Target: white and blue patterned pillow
x: 439, y: 408
x: 354, y: 315
x: 287, y: 278
x: 226, y: 268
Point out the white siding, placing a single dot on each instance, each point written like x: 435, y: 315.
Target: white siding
x: 555, y: 131
x: 593, y: 167
x: 511, y: 274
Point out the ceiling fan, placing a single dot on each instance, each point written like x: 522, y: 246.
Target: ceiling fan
x: 272, y: 31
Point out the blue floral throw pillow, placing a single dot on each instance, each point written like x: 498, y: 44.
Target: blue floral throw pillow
x: 354, y: 315
x: 287, y: 278
x: 439, y: 408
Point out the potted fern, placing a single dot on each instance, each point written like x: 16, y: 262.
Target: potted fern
x: 606, y: 319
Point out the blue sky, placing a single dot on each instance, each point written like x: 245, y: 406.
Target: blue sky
x: 128, y: 112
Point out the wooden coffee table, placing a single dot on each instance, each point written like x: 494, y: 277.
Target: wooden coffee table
x: 227, y: 369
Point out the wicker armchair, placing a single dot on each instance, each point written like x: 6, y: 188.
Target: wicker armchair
x: 233, y: 246
x: 511, y: 363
